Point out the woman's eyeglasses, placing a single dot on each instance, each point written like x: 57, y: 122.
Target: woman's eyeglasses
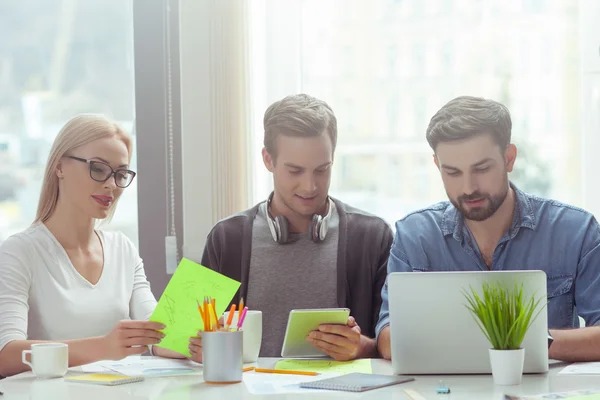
x: 101, y: 172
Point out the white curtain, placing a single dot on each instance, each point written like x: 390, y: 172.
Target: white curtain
x: 216, y: 117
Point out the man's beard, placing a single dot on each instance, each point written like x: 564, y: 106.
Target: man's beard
x: 480, y: 213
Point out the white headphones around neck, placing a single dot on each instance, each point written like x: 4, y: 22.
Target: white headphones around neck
x: 279, y: 226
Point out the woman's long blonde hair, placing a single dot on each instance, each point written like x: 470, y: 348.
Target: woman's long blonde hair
x: 80, y: 130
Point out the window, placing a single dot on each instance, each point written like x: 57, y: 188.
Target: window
x: 391, y: 173
x: 57, y: 59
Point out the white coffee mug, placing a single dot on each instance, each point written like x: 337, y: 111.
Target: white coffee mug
x: 252, y: 328
x: 48, y: 360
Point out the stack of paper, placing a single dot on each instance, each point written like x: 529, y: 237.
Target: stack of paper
x: 260, y: 383
x: 145, y: 366
x: 572, y: 395
x: 587, y: 368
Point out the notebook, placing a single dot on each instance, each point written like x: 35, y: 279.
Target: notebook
x: 356, y: 382
x: 104, y: 379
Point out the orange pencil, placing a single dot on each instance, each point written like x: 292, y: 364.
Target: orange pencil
x: 206, y: 314
x: 285, y: 371
x: 241, y: 308
x: 230, y: 318
x: 247, y: 369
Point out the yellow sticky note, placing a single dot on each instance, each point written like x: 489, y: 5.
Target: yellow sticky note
x: 325, y: 366
x: 178, y: 308
x: 104, y: 379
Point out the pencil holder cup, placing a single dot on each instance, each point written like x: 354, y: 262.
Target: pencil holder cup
x: 222, y: 354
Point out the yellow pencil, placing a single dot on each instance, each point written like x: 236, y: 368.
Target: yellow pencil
x: 201, y: 314
x: 212, y: 316
x: 213, y: 310
x: 285, y: 371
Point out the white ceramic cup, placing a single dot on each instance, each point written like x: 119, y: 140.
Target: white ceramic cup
x: 48, y: 360
x: 252, y: 328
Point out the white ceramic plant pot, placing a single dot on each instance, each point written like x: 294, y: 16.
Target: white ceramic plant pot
x: 507, y: 366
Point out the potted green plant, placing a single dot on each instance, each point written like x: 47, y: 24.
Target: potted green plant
x: 504, y: 315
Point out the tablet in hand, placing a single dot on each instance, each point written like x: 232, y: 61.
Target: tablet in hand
x: 301, y: 322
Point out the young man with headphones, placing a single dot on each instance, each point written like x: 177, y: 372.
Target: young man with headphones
x: 301, y: 248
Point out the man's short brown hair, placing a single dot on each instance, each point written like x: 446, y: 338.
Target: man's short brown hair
x: 467, y: 116
x: 298, y: 115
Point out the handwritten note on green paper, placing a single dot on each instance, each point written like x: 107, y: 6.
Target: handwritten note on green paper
x: 327, y: 366
x: 177, y: 307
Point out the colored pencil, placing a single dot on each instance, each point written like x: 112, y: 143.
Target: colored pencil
x: 285, y: 371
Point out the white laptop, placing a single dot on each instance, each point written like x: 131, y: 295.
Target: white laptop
x: 432, y: 332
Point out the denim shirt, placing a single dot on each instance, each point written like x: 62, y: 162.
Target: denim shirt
x: 562, y: 240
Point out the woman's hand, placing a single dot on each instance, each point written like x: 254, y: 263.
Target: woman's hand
x: 195, y: 345
x: 131, y: 337
x: 195, y: 348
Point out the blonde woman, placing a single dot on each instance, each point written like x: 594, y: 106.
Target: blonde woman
x: 64, y: 280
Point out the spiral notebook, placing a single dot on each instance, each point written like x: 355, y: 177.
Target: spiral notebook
x: 104, y: 379
x: 356, y: 382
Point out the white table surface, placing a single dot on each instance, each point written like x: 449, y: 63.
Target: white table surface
x: 471, y: 387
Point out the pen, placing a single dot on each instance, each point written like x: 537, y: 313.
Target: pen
x: 285, y: 371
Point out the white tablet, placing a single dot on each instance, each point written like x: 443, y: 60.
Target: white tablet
x: 301, y: 322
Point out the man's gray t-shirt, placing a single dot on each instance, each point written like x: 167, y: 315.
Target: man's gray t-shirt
x: 298, y: 274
